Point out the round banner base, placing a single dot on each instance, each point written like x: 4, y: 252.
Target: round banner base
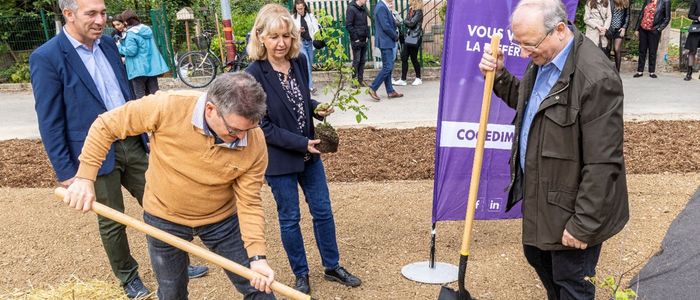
x: 421, y: 272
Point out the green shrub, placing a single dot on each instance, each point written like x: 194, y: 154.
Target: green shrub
x: 613, y: 289
x: 680, y: 22
x: 243, y: 24
x: 18, y: 72
x: 631, y: 47
x: 442, y: 11
x: 21, y: 73
x: 430, y: 60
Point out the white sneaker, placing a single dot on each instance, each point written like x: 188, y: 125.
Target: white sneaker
x: 399, y: 82
x: 418, y: 81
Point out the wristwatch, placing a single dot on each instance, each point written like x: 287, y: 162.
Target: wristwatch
x: 257, y: 257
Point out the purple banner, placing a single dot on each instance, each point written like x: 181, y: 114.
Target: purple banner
x: 468, y: 29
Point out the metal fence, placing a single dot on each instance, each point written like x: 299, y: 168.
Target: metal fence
x: 433, y: 25
x: 24, y: 33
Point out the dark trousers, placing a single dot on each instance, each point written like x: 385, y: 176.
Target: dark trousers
x: 129, y: 169
x: 359, y: 57
x: 144, y: 86
x: 406, y: 52
x: 563, y: 272
x: 170, y: 263
x: 648, y: 42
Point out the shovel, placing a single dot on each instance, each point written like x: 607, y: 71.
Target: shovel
x: 445, y: 292
x: 186, y: 246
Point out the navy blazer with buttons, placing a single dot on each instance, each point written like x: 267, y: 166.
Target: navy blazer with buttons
x: 385, y: 36
x: 286, y: 146
x: 67, y: 101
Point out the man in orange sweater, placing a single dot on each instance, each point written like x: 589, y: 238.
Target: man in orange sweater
x: 206, y: 168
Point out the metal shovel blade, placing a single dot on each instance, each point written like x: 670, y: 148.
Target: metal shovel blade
x: 461, y: 294
x: 450, y: 294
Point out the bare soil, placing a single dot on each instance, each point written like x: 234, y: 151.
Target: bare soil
x: 381, y: 185
x: 370, y: 154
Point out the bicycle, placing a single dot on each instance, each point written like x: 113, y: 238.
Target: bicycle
x: 197, y: 69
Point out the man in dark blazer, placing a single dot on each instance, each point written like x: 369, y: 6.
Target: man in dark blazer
x: 385, y: 38
x: 76, y: 76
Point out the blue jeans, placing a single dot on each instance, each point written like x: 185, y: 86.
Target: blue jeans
x: 170, y: 264
x: 307, y: 47
x: 384, y: 75
x: 313, y: 182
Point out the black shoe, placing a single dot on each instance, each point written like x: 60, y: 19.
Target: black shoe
x: 343, y: 276
x: 637, y: 75
x: 689, y: 75
x: 652, y: 75
x: 302, y: 284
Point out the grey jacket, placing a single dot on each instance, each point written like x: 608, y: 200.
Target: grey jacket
x: 574, y: 168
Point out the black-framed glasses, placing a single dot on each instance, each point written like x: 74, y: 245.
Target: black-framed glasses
x: 232, y: 132
x: 531, y: 48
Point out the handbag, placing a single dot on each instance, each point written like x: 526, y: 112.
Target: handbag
x: 606, y: 49
x: 610, y: 35
x: 693, y: 28
x: 319, y: 44
x: 411, y: 38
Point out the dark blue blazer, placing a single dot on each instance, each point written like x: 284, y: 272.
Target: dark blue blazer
x: 67, y: 101
x: 385, y: 36
x: 286, y: 146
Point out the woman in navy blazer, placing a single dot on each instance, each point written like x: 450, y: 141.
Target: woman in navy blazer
x: 289, y: 131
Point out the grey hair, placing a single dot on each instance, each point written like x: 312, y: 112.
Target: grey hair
x: 238, y: 93
x: 69, y: 4
x: 553, y: 11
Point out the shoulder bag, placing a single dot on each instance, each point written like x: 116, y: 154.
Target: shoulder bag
x: 694, y: 28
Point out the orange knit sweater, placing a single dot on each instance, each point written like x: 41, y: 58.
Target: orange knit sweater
x: 190, y: 180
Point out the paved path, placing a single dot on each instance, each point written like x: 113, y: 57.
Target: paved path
x: 665, y: 98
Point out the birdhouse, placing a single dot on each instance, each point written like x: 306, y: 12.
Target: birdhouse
x: 185, y: 14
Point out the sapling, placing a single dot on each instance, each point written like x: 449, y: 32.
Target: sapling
x: 343, y: 88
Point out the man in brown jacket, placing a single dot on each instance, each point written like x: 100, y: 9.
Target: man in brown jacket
x: 567, y: 162
x: 204, y: 176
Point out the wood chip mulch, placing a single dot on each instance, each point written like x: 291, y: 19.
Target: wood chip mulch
x: 369, y: 154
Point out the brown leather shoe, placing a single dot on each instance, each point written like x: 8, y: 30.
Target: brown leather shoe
x: 372, y: 93
x: 395, y: 94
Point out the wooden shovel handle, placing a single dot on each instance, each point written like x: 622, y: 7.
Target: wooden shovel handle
x: 479, y: 151
x: 186, y: 246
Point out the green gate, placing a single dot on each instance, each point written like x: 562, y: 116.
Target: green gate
x: 337, y: 8
x: 161, y: 31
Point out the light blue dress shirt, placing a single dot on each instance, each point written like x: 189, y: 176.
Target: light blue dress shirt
x: 101, y: 72
x: 547, y: 75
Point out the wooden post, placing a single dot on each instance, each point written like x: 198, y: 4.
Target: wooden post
x: 187, y: 35
x: 218, y: 36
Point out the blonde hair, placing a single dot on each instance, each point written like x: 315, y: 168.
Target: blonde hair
x: 622, y: 3
x: 272, y: 17
x: 416, y: 4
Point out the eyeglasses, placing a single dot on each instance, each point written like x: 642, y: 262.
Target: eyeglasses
x: 533, y: 48
x: 232, y: 132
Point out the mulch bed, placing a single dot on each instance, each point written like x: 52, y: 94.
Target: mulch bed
x: 370, y: 154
